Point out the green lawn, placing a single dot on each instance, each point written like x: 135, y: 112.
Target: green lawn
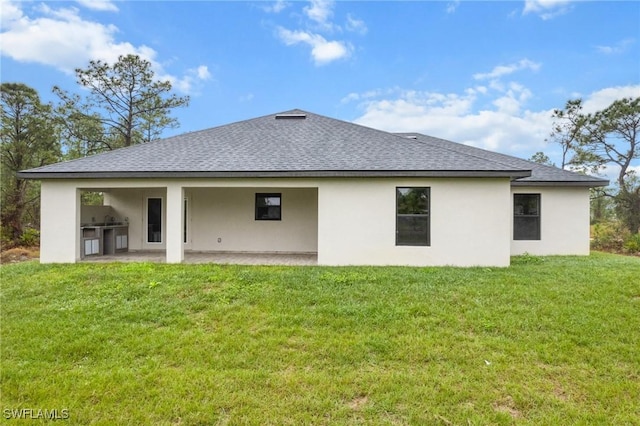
x: 547, y: 341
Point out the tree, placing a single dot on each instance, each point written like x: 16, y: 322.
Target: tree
x: 566, y: 128
x: 541, y: 158
x: 627, y: 203
x: 28, y: 139
x: 602, y: 206
x: 568, y: 131
x: 607, y: 137
x: 611, y: 137
x: 125, y: 106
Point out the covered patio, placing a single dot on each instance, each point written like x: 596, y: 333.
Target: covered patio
x: 236, y: 224
x: 231, y: 258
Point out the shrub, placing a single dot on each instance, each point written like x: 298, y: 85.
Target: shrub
x: 5, y: 239
x: 609, y: 236
x: 632, y: 244
x: 30, y: 237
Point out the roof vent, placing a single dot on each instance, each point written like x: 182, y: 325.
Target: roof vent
x: 411, y: 137
x: 294, y: 116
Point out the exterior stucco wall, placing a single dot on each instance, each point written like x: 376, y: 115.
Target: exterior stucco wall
x: 223, y: 219
x: 61, y: 214
x: 564, y: 222
x: 59, y: 222
x: 469, y: 223
x: 92, y: 214
x: 226, y: 214
x: 347, y: 221
x: 130, y: 204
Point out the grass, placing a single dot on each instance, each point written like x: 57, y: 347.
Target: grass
x: 546, y: 341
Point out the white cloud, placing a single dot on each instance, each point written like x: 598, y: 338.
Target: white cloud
x: 354, y: 97
x: 452, y: 6
x: 320, y: 11
x: 611, y: 172
x: 61, y: 38
x: 246, y: 98
x: 513, y: 98
x: 502, y: 70
x: 191, y: 80
x: 488, y: 118
x: 547, y: 9
x: 101, y: 5
x: 319, y: 14
x: 619, y: 47
x: 322, y: 51
x: 9, y: 13
x: 203, y: 72
x: 599, y: 100
x: 276, y: 7
x: 356, y: 25
x: 452, y: 116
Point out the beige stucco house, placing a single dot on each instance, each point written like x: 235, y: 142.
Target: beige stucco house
x: 297, y: 182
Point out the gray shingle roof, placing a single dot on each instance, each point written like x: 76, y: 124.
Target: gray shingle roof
x: 292, y: 143
x: 540, y: 174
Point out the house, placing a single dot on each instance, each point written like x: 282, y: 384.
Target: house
x: 297, y: 182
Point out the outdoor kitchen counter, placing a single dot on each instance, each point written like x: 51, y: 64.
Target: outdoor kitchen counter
x: 99, y: 239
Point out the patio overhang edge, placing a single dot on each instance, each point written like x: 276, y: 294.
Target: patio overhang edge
x: 513, y: 174
x: 578, y: 183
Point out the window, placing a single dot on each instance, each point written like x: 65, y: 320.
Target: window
x: 526, y: 216
x: 268, y: 207
x: 154, y: 220
x: 412, y: 217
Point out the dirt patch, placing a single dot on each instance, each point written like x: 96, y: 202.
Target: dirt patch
x: 560, y: 393
x: 358, y: 402
x: 508, y: 406
x: 19, y: 254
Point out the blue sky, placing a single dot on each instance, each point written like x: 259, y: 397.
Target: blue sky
x: 487, y: 74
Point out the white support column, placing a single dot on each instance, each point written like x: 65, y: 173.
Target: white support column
x: 59, y: 222
x: 175, y: 223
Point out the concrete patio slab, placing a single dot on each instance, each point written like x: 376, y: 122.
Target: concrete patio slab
x: 211, y: 257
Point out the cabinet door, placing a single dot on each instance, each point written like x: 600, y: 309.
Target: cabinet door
x: 121, y: 242
x: 91, y: 246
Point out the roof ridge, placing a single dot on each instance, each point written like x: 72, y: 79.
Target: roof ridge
x: 208, y: 129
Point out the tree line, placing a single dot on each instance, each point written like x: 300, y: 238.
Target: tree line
x: 124, y: 105
x: 591, y: 142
